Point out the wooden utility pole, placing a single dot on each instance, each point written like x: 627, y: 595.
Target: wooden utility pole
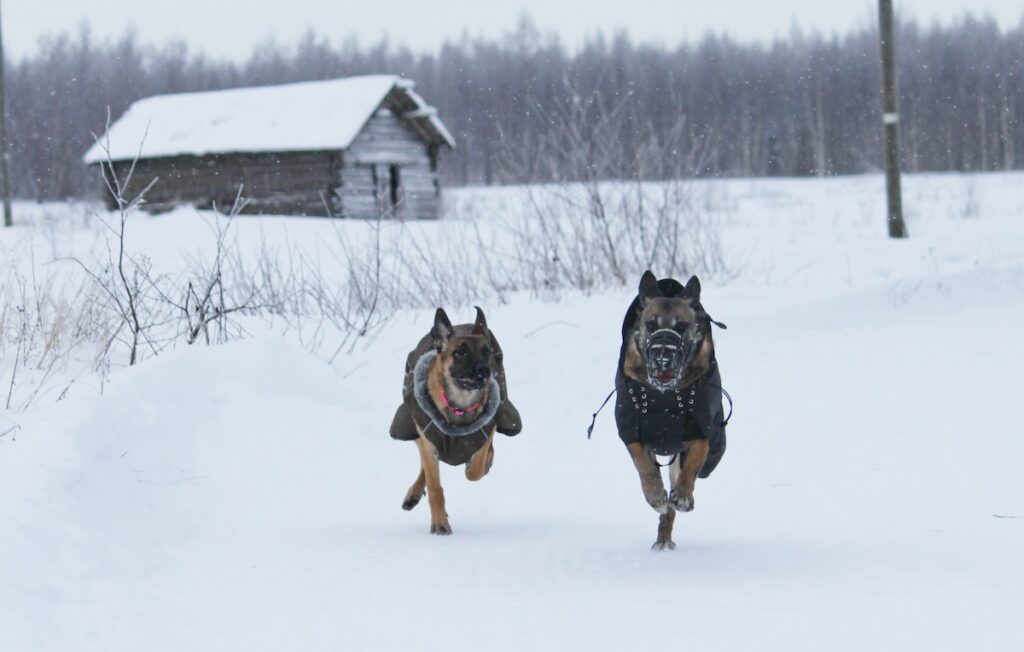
x: 891, y: 122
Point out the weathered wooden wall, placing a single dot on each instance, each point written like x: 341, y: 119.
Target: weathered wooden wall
x: 291, y: 183
x: 387, y: 142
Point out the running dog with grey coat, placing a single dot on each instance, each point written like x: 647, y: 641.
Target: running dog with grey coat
x: 454, y: 398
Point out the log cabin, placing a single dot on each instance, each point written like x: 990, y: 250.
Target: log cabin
x: 359, y: 147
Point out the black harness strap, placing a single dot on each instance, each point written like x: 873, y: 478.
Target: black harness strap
x: 593, y: 420
x: 728, y: 397
x: 668, y: 463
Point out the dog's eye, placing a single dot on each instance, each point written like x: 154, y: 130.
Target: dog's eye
x: 461, y: 351
x: 485, y: 352
x: 680, y: 328
x: 652, y: 325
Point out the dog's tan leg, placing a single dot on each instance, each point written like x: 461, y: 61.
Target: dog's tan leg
x: 666, y: 521
x: 650, y: 477
x: 681, y: 497
x: 435, y: 494
x: 664, y: 541
x: 481, y: 461
x: 412, y: 497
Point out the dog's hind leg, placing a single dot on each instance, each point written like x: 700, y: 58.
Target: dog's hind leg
x: 667, y: 520
x: 681, y: 497
x: 435, y: 494
x: 481, y: 461
x: 415, y: 493
x: 650, y: 477
x: 664, y: 541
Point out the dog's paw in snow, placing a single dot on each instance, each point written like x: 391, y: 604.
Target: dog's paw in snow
x: 664, y: 545
x: 443, y: 529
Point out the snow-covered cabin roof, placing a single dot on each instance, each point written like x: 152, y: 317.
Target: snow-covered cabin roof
x: 318, y: 115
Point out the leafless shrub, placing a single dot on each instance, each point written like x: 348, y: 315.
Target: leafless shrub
x: 369, y: 293
x: 587, y: 230
x: 48, y: 321
x: 216, y: 289
x: 127, y: 282
x: 439, y: 271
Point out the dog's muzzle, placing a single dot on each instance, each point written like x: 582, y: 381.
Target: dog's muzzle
x: 667, y: 354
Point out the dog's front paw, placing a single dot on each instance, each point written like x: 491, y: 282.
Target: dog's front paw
x: 658, y: 500
x: 680, y: 501
x: 443, y: 528
x: 664, y: 545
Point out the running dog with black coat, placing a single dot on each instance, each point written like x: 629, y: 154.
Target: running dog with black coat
x: 454, y: 398
x: 669, y: 395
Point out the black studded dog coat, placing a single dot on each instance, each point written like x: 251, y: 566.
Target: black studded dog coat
x: 665, y: 421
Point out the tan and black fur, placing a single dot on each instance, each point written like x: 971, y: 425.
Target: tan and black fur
x: 465, y: 371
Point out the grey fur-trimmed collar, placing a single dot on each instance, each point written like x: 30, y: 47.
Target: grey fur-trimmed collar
x: 419, y: 392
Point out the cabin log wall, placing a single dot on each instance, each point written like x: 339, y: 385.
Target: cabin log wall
x: 291, y: 183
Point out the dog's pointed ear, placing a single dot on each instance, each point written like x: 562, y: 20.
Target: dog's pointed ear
x: 692, y: 289
x: 648, y: 288
x: 480, y: 325
x: 442, y: 329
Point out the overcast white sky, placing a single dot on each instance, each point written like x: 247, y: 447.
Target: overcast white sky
x: 234, y: 28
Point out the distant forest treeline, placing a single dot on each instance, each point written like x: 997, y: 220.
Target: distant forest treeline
x: 801, y: 106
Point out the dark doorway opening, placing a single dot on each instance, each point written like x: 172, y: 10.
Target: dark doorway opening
x: 396, y: 186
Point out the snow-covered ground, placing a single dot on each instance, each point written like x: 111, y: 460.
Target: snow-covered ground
x: 247, y: 496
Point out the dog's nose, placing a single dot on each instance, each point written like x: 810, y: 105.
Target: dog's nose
x: 483, y: 371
